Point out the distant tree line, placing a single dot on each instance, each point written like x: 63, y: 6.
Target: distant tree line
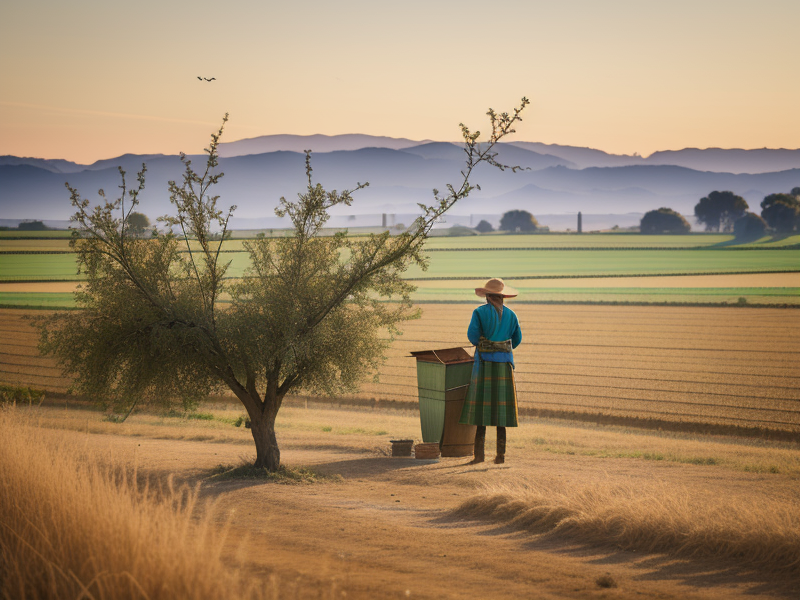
x: 137, y: 222
x: 513, y: 221
x: 28, y: 226
x: 726, y: 211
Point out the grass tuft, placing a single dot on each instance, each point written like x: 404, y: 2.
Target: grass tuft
x: 606, y: 581
x: 652, y: 518
x: 284, y: 474
x: 200, y: 416
x: 12, y: 394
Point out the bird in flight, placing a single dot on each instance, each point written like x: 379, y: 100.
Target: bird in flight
x: 206, y: 79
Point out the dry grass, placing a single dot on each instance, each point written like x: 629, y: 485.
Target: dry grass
x: 652, y: 518
x: 610, y: 442
x: 75, y: 527
x: 369, y: 431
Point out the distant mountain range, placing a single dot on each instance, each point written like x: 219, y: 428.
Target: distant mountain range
x: 317, y: 143
x: 558, y: 179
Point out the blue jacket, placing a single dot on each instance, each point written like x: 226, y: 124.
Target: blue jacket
x: 487, y: 323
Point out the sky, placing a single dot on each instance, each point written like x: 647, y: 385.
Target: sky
x: 86, y: 80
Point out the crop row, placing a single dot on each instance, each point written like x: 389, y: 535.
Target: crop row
x: 719, y: 366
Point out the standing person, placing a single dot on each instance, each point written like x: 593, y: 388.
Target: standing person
x: 492, y: 396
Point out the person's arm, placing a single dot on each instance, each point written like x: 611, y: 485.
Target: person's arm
x: 474, y: 330
x: 516, y: 334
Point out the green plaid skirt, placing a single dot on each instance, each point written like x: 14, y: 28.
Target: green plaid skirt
x: 492, y: 396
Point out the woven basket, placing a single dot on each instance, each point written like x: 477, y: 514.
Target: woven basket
x: 401, y: 447
x: 427, y: 450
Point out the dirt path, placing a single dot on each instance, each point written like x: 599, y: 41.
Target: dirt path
x: 384, y: 531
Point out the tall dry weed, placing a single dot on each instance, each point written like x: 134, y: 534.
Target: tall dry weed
x: 652, y: 518
x: 75, y: 525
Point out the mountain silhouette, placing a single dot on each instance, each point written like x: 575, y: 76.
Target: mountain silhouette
x: 560, y: 179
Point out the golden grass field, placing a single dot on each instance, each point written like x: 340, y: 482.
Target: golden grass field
x: 575, y: 508
x: 80, y: 525
x: 579, y: 506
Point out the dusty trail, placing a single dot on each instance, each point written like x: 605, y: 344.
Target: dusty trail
x: 384, y: 531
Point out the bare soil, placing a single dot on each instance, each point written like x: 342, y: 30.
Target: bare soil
x: 386, y: 530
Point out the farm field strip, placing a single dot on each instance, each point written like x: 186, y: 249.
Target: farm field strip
x: 689, y: 404
x: 48, y: 234
x: 481, y: 265
x: 672, y: 332
x: 724, y: 376
x: 537, y: 383
x: 774, y: 379
x: 768, y: 368
x: 710, y: 417
x: 569, y: 315
x: 647, y: 383
x: 511, y: 264
x: 604, y: 240
x: 693, y: 295
x: 750, y: 280
x: 753, y: 297
x: 571, y: 343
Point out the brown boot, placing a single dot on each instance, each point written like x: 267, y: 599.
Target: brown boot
x: 501, y: 446
x: 480, y: 440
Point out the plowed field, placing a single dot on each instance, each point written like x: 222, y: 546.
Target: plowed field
x: 723, y: 366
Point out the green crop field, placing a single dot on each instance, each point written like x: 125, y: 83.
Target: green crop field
x: 495, y: 263
x: 513, y: 257
x: 574, y: 240
x: 33, y: 267
x: 38, y: 299
x: 538, y: 263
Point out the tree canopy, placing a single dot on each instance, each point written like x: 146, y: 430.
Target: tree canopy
x: 32, y: 226
x: 308, y: 314
x: 781, y: 211
x: 749, y: 226
x: 719, y: 210
x: 664, y: 220
x: 518, y: 220
x: 484, y: 227
x: 139, y: 223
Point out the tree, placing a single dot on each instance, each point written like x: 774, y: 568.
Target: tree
x: 719, y: 210
x: 484, y: 227
x: 307, y: 315
x: 749, y: 226
x: 795, y: 192
x: 32, y: 226
x: 790, y: 199
x: 782, y: 217
x: 139, y: 223
x: 518, y: 220
x: 781, y: 211
x: 664, y: 220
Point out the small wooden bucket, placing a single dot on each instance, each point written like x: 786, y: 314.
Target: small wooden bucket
x: 426, y: 450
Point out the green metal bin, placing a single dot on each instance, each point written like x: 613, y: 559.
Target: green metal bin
x: 442, y: 379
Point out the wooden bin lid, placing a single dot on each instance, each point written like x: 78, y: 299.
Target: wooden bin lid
x: 447, y: 356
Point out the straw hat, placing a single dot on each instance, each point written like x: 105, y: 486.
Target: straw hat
x: 496, y: 286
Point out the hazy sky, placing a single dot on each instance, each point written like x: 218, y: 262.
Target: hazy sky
x: 87, y: 79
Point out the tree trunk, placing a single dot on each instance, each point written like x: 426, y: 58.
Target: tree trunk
x: 262, y: 415
x: 268, y: 456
